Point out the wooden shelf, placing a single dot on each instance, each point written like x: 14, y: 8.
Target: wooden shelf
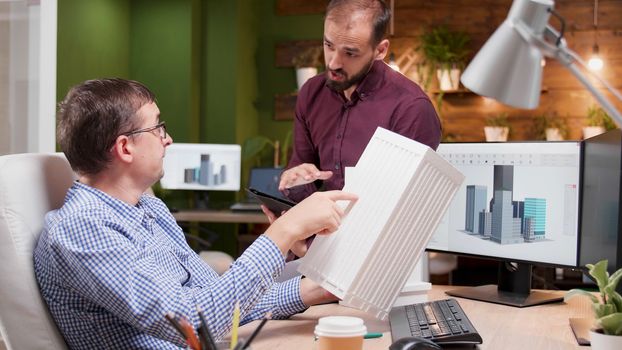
x: 285, y: 51
x: 465, y: 91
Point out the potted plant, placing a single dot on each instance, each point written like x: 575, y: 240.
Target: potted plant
x: 549, y: 127
x: 446, y: 51
x: 307, y: 63
x: 497, y: 128
x: 598, y: 121
x: 607, y: 333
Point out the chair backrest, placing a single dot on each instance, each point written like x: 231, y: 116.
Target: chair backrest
x: 30, y: 186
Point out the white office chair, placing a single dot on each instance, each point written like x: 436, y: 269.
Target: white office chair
x: 30, y: 186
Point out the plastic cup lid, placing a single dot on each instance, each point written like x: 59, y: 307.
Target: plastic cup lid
x: 340, y: 327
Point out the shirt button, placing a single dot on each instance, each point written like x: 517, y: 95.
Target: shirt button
x: 337, y: 166
x: 338, y: 136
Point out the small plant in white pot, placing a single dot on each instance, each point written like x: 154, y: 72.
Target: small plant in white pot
x: 607, y: 334
x: 598, y: 121
x: 307, y: 63
x: 549, y: 127
x: 446, y: 51
x: 497, y: 128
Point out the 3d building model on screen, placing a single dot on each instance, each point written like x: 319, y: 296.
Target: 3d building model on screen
x: 202, y: 167
x: 519, y: 202
x: 504, y: 220
x: 205, y: 174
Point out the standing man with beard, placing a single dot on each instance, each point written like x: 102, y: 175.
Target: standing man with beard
x: 338, y: 111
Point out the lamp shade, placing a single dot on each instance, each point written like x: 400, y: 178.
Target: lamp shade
x: 508, y: 67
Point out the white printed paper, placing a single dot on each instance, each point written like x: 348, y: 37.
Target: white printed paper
x: 404, y: 188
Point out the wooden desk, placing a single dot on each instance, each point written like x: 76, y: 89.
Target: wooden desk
x: 221, y: 216
x: 501, y: 327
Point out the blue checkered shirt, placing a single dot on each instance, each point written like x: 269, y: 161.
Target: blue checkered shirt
x: 110, y: 271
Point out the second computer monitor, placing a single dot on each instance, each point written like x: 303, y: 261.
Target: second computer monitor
x: 601, y: 216
x: 196, y: 166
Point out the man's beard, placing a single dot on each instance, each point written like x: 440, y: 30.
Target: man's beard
x: 346, y: 84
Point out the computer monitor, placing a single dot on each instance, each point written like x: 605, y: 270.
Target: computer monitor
x: 202, y: 166
x: 519, y: 203
x: 601, y: 215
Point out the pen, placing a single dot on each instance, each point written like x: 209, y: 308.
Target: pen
x: 372, y: 335
x: 257, y: 330
x: 188, y: 335
x: 206, y: 336
x: 171, y: 318
x: 235, y: 324
x: 191, y: 338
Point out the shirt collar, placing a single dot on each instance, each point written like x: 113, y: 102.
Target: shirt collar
x: 132, y: 212
x: 370, y: 83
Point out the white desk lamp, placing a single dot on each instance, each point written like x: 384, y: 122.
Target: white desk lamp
x: 508, y: 67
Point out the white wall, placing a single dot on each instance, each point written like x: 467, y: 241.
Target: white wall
x: 27, y: 76
x: 4, y: 79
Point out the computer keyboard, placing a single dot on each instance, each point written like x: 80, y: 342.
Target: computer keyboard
x: 442, y: 321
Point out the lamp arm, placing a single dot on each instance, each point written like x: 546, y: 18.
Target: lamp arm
x: 567, y: 58
x: 607, y: 105
x: 609, y: 87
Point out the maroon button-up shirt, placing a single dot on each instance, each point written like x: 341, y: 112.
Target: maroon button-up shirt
x: 332, y: 132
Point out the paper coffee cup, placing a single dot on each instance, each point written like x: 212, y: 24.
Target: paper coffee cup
x: 340, y: 333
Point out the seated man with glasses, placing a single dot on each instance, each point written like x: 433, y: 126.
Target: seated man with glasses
x: 111, y: 262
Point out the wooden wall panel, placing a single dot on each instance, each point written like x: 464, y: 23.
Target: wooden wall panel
x: 464, y: 114
x: 284, y: 52
x: 556, y: 76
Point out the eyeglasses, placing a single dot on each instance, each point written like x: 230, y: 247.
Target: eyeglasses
x: 160, y: 127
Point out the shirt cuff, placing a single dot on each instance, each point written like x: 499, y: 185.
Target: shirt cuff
x: 266, y: 257
x: 289, y: 300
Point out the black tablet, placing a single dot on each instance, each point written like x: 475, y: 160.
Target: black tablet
x: 275, y: 204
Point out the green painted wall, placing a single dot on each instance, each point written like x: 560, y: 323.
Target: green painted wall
x: 93, y: 41
x: 272, y: 30
x: 246, y: 116
x: 213, y: 73
x: 219, y: 77
x: 160, y: 57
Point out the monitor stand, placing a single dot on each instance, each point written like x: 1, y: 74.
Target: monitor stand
x: 514, y: 288
x: 201, y: 200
